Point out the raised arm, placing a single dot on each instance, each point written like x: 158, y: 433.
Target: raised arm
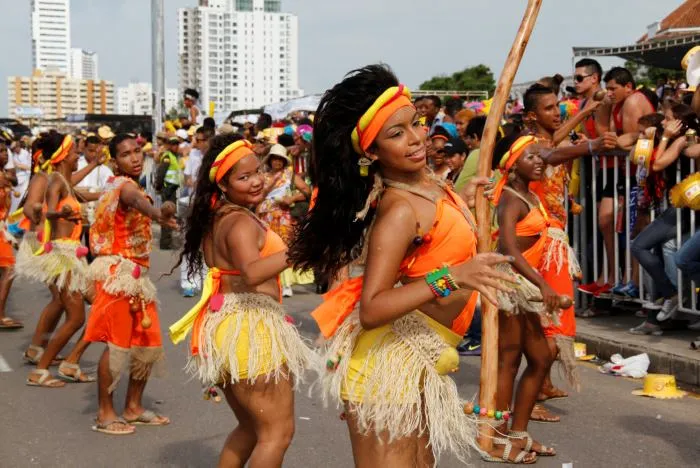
x: 131, y: 196
x: 562, y: 155
x: 563, y: 131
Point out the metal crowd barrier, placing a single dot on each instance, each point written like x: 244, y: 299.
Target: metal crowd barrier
x: 585, y: 236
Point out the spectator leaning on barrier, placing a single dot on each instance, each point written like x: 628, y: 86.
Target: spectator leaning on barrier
x: 673, y: 145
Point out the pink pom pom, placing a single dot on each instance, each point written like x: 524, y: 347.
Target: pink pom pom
x: 216, y: 302
x: 506, y: 416
x: 48, y: 247
x: 483, y: 412
x: 40, y: 236
x: 136, y: 272
x: 289, y: 319
x: 81, y: 251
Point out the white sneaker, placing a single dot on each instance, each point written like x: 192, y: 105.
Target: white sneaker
x: 287, y: 292
x: 654, y: 305
x: 668, y: 310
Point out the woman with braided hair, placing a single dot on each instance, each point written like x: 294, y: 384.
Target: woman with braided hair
x: 241, y: 340
x: 379, y: 206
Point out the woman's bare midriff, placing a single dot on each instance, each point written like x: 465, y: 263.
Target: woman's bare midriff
x: 62, y: 228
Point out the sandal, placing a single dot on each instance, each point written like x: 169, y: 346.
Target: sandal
x: 77, y: 376
x: 8, y: 323
x: 506, y: 457
x: 108, y: 427
x: 542, y: 452
x: 543, y: 415
x: 149, y: 418
x: 38, y: 353
x: 552, y: 394
x: 45, y: 380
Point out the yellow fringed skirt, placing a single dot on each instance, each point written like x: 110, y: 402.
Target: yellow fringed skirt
x: 249, y: 338
x: 61, y: 266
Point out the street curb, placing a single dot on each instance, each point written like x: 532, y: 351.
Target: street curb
x: 685, y: 370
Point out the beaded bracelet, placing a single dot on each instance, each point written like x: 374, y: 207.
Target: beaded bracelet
x: 476, y: 410
x: 441, y: 282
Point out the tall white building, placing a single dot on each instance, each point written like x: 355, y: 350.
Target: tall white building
x: 51, y: 35
x: 240, y: 54
x: 136, y: 99
x: 83, y: 64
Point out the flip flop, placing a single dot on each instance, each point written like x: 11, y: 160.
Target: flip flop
x: 147, y: 418
x: 8, y: 323
x: 545, y: 415
x: 104, y: 427
x: 77, y: 377
x: 45, y: 381
x: 554, y: 394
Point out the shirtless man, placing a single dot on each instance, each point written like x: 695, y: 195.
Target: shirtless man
x: 628, y: 105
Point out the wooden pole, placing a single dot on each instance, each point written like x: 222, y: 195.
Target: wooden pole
x: 489, y: 324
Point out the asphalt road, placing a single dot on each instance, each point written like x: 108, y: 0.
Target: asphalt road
x: 603, y: 426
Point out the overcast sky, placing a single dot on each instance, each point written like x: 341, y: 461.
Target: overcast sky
x: 432, y: 37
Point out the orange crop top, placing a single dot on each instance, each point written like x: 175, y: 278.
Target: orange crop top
x: 450, y: 241
x: 77, y: 225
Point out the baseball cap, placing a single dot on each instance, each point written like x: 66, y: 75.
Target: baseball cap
x: 182, y: 134
x: 455, y: 146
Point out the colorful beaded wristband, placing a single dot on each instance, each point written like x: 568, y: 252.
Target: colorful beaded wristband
x: 441, y: 282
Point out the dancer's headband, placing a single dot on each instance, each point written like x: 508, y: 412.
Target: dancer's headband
x: 375, y: 117
x: 228, y: 158
x: 508, y: 160
x: 60, y: 154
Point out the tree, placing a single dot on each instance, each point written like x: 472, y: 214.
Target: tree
x: 477, y: 78
x: 649, y: 76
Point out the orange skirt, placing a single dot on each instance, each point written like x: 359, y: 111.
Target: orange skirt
x: 562, y: 283
x: 7, y: 254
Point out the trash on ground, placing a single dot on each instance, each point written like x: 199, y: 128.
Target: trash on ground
x: 634, y: 366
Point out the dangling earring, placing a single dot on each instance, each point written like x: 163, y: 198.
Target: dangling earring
x: 364, y: 162
x: 511, y: 176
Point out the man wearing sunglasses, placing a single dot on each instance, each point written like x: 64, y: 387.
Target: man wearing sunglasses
x: 587, y: 78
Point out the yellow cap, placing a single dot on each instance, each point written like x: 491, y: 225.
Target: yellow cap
x: 660, y: 386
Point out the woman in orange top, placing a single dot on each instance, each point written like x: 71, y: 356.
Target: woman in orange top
x: 123, y: 313
x: 539, y: 245
x: 241, y: 339
x: 60, y: 260
x: 7, y: 257
x: 387, y: 363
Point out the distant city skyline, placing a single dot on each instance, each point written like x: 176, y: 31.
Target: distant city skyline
x: 442, y: 37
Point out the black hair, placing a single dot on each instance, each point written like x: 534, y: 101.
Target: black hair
x: 502, y: 147
x: 475, y: 126
x: 192, y: 92
x: 453, y: 106
x: 592, y: 67
x: 653, y: 120
x: 622, y: 76
x: 49, y: 143
x: 116, y: 141
x: 93, y: 140
x: 552, y: 82
x: 516, y: 126
x: 533, y: 95
x: 305, y: 121
x: 285, y: 140
x: 200, y: 217
x: 209, y: 122
x: 330, y: 237
x: 687, y: 115
x: 435, y: 100
x: 208, y: 132
x: 264, y: 121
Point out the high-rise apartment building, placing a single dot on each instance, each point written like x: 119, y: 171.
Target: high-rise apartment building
x: 58, y: 95
x: 83, y: 64
x: 240, y: 54
x: 137, y: 98
x: 51, y: 35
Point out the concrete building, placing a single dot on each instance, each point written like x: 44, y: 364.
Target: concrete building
x: 136, y: 99
x: 55, y: 95
x: 83, y: 64
x: 50, y: 35
x: 240, y: 54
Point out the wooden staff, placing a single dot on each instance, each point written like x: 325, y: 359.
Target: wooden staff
x: 489, y: 325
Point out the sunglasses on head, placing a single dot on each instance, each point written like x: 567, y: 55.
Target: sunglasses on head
x: 580, y: 78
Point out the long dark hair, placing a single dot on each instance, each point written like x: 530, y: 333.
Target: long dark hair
x: 329, y: 238
x: 200, y: 217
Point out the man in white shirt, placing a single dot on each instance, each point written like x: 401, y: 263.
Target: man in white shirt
x: 21, y: 160
x: 200, y: 146
x: 94, y: 182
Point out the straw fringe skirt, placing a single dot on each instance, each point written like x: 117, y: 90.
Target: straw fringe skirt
x: 122, y: 277
x: 61, y: 266
x: 247, y: 339
x: 394, y: 381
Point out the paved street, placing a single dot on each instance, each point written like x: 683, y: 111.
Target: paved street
x: 603, y: 426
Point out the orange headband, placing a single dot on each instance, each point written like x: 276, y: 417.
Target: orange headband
x: 60, y: 154
x: 228, y: 158
x: 375, y: 117
x: 508, y: 160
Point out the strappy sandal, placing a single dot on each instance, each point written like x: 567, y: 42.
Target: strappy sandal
x: 77, y: 376
x: 544, y: 450
x: 541, y: 414
x: 45, y: 381
x: 38, y: 353
x: 505, y: 458
x: 552, y: 394
x: 104, y: 427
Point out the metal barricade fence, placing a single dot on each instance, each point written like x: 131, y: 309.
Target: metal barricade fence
x: 584, y: 230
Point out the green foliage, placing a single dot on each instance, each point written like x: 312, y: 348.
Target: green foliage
x: 477, y: 78
x: 648, y: 76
